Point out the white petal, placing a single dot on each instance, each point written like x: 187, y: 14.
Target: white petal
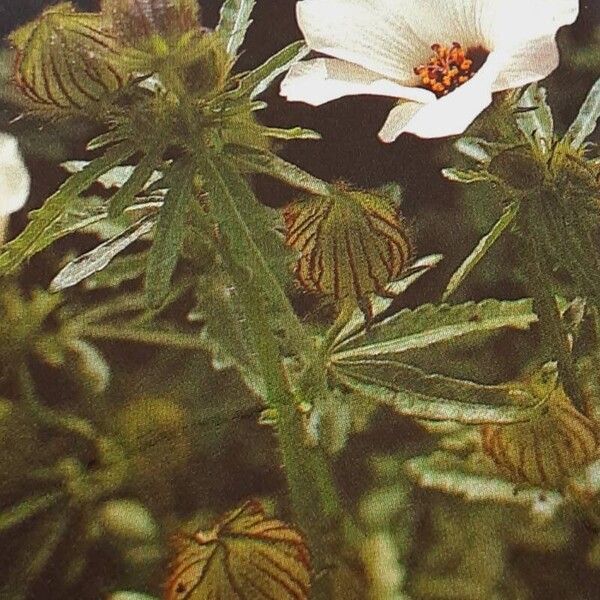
x: 397, y: 121
x: 512, y: 22
x: 451, y: 114
x: 532, y: 61
x: 324, y: 79
x: 447, y: 21
x: 14, y: 178
x: 367, y: 33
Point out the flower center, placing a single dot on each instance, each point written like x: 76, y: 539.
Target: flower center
x: 449, y: 68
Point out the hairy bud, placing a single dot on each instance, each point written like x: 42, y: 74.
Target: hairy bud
x: 546, y: 450
x: 66, y: 60
x: 351, y: 244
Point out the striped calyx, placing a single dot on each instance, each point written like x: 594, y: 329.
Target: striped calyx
x: 246, y: 555
x: 133, y: 20
x: 352, y: 244
x: 66, y: 60
x: 547, y: 450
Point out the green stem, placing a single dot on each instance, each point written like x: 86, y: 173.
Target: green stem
x: 553, y: 330
x: 312, y: 492
x: 150, y: 337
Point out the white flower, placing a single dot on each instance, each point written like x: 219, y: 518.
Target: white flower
x: 442, y: 58
x: 14, y: 177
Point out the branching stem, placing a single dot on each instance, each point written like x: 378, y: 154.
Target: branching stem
x: 313, y: 495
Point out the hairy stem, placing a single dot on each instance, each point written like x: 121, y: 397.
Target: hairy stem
x: 312, y: 492
x: 553, y: 331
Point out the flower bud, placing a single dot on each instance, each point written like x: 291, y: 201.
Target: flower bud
x: 66, y: 60
x: 519, y: 168
x: 127, y: 520
x: 352, y: 244
x: 546, y: 450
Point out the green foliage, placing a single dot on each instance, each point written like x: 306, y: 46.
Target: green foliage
x: 535, y: 118
x: 375, y: 363
x: 587, y: 119
x: 170, y: 231
x: 234, y: 23
x: 428, y: 325
x: 61, y: 214
x: 101, y: 256
x: 410, y: 391
x: 481, y: 250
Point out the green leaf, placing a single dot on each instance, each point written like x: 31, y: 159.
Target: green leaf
x: 252, y: 160
x: 429, y: 325
x: 295, y: 133
x: 141, y: 177
x: 246, y: 250
x: 224, y: 333
x: 100, y: 257
x: 28, y: 509
x: 170, y: 233
x: 109, y: 138
x: 379, y: 305
x: 234, y: 23
x: 262, y: 222
x: 120, y: 270
x: 534, y: 117
x: 257, y: 81
x: 479, y: 149
x: 263, y: 76
x: 474, y: 148
x: 157, y: 334
x: 448, y: 473
x: 412, y: 392
x: 481, y: 249
x: 587, y: 119
x: 462, y: 176
x: 115, y: 178
x: 59, y: 215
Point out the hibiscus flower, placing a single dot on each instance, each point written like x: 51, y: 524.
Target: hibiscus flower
x: 14, y: 180
x: 442, y: 58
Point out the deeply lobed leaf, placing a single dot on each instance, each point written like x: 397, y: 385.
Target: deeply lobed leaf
x: 411, y: 392
x: 234, y: 23
x: 64, y: 212
x: 430, y: 325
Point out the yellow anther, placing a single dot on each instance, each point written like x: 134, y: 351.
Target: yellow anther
x: 447, y: 69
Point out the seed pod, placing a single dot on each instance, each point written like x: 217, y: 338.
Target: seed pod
x: 133, y: 20
x: 351, y: 244
x: 66, y: 60
x: 547, y: 450
x: 245, y: 550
